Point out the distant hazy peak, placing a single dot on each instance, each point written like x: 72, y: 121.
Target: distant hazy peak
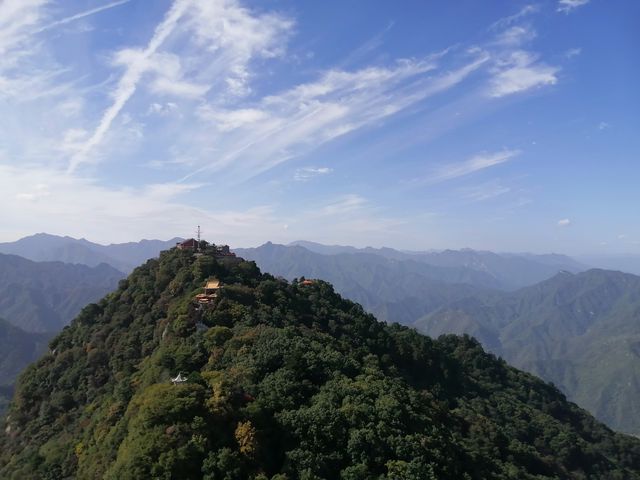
x: 122, y: 256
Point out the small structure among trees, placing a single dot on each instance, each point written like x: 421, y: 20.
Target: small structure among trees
x: 191, y: 244
x: 217, y: 251
x: 222, y: 251
x: 179, y: 379
x: 212, y: 286
x: 210, y: 291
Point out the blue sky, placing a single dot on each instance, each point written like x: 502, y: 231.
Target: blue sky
x: 502, y: 125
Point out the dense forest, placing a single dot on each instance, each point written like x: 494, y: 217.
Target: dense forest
x: 284, y: 381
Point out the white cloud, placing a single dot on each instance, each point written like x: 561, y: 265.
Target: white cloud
x: 227, y: 120
x: 169, y: 76
x: 19, y: 75
x: 307, y: 173
x: 472, y: 165
x: 81, y: 15
x: 162, y: 108
x: 136, y: 63
x: 237, y: 35
x: 523, y: 12
x: 38, y: 191
x: 515, y: 36
x: 485, y: 191
x: 17, y: 17
x: 222, y: 39
x: 179, y: 103
x: 573, y: 52
x: 514, y: 69
x: 178, y: 88
x: 38, y: 199
x: 565, y: 222
x: 603, y: 126
x: 520, y: 72
x: 343, y: 205
x: 27, y: 70
x: 566, y: 6
x: 257, y: 137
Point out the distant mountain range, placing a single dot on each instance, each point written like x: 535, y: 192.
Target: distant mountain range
x: 504, y: 271
x: 582, y: 332
x: 400, y: 286
x: 45, y: 296
x: 121, y: 256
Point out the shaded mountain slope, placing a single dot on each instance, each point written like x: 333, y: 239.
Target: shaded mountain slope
x: 285, y: 381
x: 17, y: 350
x: 45, y: 296
x: 581, y: 332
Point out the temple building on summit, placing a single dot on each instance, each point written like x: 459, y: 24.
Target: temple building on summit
x: 191, y: 244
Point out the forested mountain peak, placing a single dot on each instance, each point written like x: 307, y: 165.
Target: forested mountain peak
x: 285, y: 380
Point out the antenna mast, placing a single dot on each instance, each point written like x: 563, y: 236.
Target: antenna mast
x: 198, y: 232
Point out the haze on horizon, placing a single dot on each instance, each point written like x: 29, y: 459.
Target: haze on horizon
x: 506, y: 128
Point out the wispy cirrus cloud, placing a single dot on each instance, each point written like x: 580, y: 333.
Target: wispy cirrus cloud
x: 515, y: 36
x: 236, y: 35
x: 249, y: 137
x: 515, y: 68
x: 519, y: 72
x: 289, y: 124
x: 223, y: 38
x: 484, y: 191
x: 474, y: 164
x: 343, y: 205
x: 80, y: 16
x: 196, y: 102
x: 17, y: 20
x: 307, y: 173
x: 507, y: 21
x: 567, y: 6
x: 573, y: 52
x: 136, y: 63
x: 20, y: 23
